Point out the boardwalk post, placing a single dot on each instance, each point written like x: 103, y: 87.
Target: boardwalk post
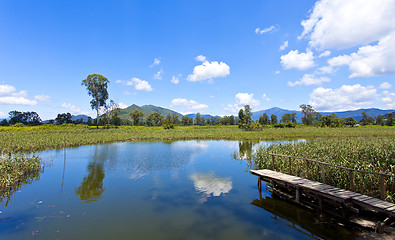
x: 273, y: 162
x: 307, y: 169
x: 323, y: 173
x: 289, y: 165
x: 351, y: 180
x: 382, y: 187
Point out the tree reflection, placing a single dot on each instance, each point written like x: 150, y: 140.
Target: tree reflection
x: 91, y: 187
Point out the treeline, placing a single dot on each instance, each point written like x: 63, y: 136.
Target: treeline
x: 243, y: 120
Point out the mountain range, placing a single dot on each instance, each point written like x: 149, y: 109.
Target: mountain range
x: 279, y: 112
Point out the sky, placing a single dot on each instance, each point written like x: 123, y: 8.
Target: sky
x: 211, y: 57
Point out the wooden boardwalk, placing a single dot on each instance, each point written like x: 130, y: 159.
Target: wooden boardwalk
x: 326, y: 198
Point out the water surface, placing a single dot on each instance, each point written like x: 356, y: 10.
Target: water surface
x: 155, y: 190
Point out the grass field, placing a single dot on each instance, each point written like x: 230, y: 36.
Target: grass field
x: 31, y: 139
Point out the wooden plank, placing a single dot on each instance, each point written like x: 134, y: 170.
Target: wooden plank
x: 390, y: 208
x: 361, y: 198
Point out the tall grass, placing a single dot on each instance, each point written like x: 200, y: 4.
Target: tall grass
x: 17, y: 171
x: 30, y: 139
x: 368, y: 154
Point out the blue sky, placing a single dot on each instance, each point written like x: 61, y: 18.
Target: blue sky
x: 198, y: 56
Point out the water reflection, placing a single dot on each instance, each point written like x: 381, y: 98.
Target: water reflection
x: 306, y: 222
x: 91, y: 187
x: 209, y: 184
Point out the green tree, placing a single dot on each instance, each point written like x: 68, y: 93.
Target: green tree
x: 174, y: 118
x: 63, y: 118
x: 154, y: 119
x: 390, y: 120
x: 199, y: 120
x: 273, y: 119
x: 380, y: 120
x: 136, y: 115
x: 309, y: 114
x: 168, y: 123
x: 264, y: 119
x: 349, y: 121
x: 96, y: 85
x: 111, y: 112
x: 29, y: 118
x: 331, y: 120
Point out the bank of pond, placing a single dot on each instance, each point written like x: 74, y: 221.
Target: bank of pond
x: 179, y: 189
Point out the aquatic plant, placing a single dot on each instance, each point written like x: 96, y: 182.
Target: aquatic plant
x: 367, y: 154
x: 17, y: 171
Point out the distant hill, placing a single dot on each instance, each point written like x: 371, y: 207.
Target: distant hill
x: 356, y: 114
x: 146, y: 110
x: 193, y: 115
x: 78, y: 117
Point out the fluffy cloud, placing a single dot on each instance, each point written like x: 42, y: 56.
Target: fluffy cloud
x: 190, y: 105
x: 175, y: 79
x: 344, y: 24
x: 389, y: 99
x: 9, y: 96
x: 265, y: 97
x: 370, y: 60
x: 156, y: 62
x: 43, y: 98
x: 284, y: 45
x: 385, y: 85
x: 266, y: 30
x: 122, y: 105
x: 73, y: 109
x: 208, y: 70
x: 347, y: 97
x: 301, y: 61
x: 309, y: 79
x: 138, y: 84
x: 158, y: 75
x: 200, y: 58
x: 368, y: 25
x: 243, y: 99
x: 325, y: 54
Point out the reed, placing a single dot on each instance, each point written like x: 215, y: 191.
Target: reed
x: 17, y: 171
x: 367, y: 154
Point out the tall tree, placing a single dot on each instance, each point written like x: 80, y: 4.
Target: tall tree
x: 31, y: 118
x: 111, y: 112
x: 136, y: 115
x: 63, y: 118
x: 273, y: 119
x: 96, y: 85
x: 390, y: 120
x: 309, y: 114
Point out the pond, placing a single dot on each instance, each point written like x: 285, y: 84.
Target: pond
x: 155, y: 190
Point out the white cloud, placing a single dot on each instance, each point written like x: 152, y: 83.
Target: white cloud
x: 385, y: 85
x: 190, y: 105
x: 370, y: 60
x: 301, y: 61
x: 368, y: 25
x: 284, y: 45
x: 156, y: 62
x: 344, y: 24
x: 3, y: 115
x: 122, y: 105
x: 242, y: 99
x: 210, y: 185
x: 347, y: 97
x: 43, y: 98
x: 264, y: 96
x: 138, y: 84
x: 325, y: 54
x: 158, y: 75
x: 309, y: 79
x: 175, y: 79
x: 73, y: 109
x: 209, y: 70
x: 389, y: 100
x: 200, y: 58
x: 9, y: 96
x: 266, y: 30
x: 277, y: 72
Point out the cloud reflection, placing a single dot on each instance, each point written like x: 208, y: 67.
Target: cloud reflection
x: 209, y: 184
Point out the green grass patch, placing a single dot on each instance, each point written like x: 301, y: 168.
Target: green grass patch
x: 37, y: 138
